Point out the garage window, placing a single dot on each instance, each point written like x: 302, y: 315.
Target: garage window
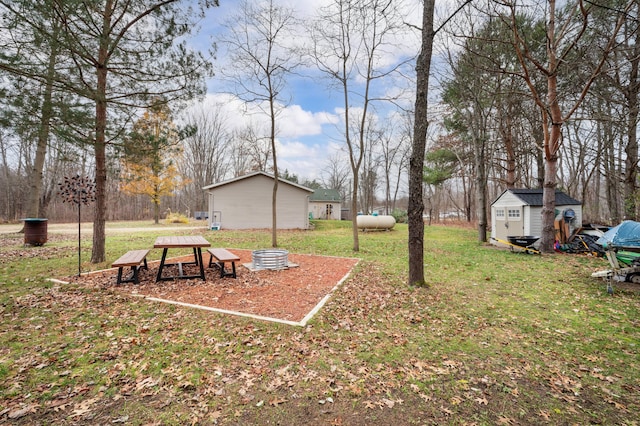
x: 514, y: 213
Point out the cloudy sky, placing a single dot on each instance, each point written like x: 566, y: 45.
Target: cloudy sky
x: 309, y: 126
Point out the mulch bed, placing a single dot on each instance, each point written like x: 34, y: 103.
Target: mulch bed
x: 286, y: 295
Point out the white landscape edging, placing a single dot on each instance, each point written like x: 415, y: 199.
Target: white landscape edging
x: 301, y: 323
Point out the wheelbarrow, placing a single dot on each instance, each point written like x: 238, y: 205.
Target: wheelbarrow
x: 522, y: 243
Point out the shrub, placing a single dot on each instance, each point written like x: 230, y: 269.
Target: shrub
x: 399, y: 215
x: 176, y: 218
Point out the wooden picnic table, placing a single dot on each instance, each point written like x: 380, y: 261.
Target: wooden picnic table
x: 196, y: 242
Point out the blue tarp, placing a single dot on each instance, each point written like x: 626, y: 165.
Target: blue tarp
x: 627, y: 234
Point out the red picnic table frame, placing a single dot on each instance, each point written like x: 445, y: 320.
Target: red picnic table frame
x: 191, y: 241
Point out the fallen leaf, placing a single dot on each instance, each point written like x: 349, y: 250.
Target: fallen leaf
x: 456, y: 400
x: 147, y: 382
x: 544, y: 414
x: 505, y: 421
x: 83, y: 407
x: 388, y: 402
x: 425, y: 397
x: 16, y: 414
x: 482, y: 401
x: 277, y: 401
x: 446, y: 411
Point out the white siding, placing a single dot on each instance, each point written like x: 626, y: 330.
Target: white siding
x: 318, y: 209
x: 508, y: 199
x: 535, y: 221
x: 246, y: 203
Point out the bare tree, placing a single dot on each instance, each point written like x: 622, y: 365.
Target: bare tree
x: 11, y: 177
x: 370, y: 162
x: 563, y: 34
x: 205, y: 150
x: 623, y: 77
x: 256, y: 40
x: 257, y: 148
x: 239, y: 158
x: 335, y: 175
x: 349, y: 39
x: 416, y: 164
x: 390, y: 144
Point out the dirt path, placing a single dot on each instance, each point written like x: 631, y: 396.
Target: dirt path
x: 87, y: 228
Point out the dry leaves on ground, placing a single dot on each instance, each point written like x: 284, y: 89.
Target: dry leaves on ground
x: 288, y: 294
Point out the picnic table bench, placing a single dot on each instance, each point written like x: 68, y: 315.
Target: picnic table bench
x: 134, y: 259
x: 222, y: 255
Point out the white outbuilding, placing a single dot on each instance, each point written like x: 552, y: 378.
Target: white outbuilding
x: 517, y: 213
x: 245, y: 202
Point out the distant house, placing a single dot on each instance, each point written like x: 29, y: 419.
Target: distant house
x: 517, y: 212
x: 245, y: 202
x: 325, y: 204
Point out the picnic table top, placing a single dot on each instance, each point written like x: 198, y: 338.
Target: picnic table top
x: 181, y: 241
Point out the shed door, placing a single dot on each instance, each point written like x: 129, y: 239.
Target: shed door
x: 499, y: 220
x: 509, y: 222
x: 515, y: 221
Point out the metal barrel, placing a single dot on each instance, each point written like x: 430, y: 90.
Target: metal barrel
x: 35, y: 231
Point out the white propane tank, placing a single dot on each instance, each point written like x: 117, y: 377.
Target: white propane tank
x: 366, y: 221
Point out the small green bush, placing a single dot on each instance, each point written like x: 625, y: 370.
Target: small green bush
x: 399, y: 215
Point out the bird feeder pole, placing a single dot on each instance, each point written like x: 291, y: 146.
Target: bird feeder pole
x: 78, y: 190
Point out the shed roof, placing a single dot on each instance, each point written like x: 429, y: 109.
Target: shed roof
x: 250, y: 175
x: 325, y: 194
x: 533, y: 197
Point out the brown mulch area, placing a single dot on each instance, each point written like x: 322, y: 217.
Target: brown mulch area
x: 288, y: 294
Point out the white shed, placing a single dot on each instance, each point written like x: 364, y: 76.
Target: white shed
x: 245, y: 202
x: 517, y: 212
x: 325, y: 203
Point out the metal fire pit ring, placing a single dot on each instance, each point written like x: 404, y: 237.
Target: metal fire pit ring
x: 270, y: 259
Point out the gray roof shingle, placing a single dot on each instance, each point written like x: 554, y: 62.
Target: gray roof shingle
x: 323, y: 194
x: 533, y: 197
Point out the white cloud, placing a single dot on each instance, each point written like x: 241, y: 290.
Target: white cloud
x: 292, y: 122
x: 295, y: 122
x: 295, y: 149
x: 303, y: 144
x: 304, y: 160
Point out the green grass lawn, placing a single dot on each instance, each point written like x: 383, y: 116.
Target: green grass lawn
x: 497, y: 338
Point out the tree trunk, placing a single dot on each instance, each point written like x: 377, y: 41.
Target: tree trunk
x: 552, y: 124
x: 631, y: 150
x: 631, y: 166
x: 100, y: 207
x: 416, y: 163
x: 550, y: 182
x: 481, y: 189
x: 507, y: 137
x: 274, y: 200
x: 611, y: 175
x: 98, y: 252
x: 35, y: 177
x: 354, y: 214
x: 156, y: 210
